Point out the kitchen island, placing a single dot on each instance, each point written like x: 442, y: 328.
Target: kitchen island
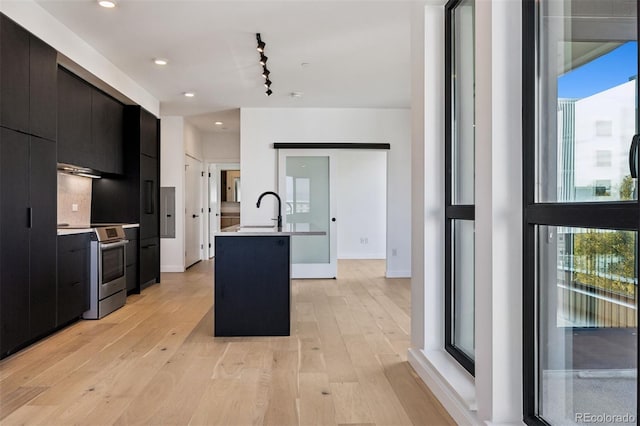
x: 252, y: 295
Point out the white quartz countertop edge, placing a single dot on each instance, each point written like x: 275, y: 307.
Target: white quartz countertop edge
x: 73, y: 231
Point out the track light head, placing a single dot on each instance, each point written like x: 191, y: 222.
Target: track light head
x: 263, y: 59
x: 267, y: 83
x: 265, y: 72
x: 261, y: 43
x: 268, y: 92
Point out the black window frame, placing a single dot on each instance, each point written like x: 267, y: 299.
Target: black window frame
x: 453, y: 211
x: 620, y: 215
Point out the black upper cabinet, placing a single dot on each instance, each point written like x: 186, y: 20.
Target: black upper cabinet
x: 14, y: 239
x: 90, y: 126
x: 43, y: 191
x: 148, y: 134
x: 107, y: 131
x: 14, y: 78
x: 43, y: 90
x: 74, y: 121
x: 27, y: 82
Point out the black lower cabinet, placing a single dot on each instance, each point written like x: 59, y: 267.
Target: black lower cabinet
x: 73, y: 277
x: 27, y: 239
x: 133, y: 279
x: 14, y: 240
x: 149, y: 261
x: 252, y: 286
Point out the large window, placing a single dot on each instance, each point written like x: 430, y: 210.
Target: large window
x: 581, y: 212
x: 460, y: 182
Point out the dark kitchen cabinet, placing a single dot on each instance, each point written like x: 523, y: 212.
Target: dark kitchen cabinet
x: 149, y: 219
x: 107, y: 132
x: 133, y: 278
x: 90, y: 125
x: 74, y: 121
x: 27, y: 239
x: 73, y: 277
x: 252, y: 295
x: 14, y: 75
x: 149, y: 261
x: 43, y: 90
x: 27, y: 82
x: 14, y: 240
x: 134, y: 196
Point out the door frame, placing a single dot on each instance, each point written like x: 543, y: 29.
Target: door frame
x: 199, y: 199
x: 310, y: 270
x: 214, y: 168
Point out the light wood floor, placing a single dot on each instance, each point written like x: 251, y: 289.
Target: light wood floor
x: 155, y: 361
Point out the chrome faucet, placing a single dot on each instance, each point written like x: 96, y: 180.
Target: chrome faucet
x: 279, y: 206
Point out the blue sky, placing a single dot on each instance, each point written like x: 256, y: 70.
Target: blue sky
x: 612, y: 69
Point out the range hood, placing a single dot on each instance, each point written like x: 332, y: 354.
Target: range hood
x: 78, y: 171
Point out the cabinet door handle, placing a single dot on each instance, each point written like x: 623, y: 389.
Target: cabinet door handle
x: 75, y: 284
x: 633, y: 156
x: 149, y: 199
x: 29, y: 217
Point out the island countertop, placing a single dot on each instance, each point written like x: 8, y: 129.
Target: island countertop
x: 265, y: 230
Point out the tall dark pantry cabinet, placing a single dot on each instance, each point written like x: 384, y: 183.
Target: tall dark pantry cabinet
x: 28, y: 119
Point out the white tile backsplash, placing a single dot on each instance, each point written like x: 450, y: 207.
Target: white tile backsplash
x: 74, y: 199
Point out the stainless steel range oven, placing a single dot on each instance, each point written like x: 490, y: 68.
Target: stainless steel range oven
x: 108, y: 272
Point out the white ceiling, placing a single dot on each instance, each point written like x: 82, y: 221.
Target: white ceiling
x: 357, y: 51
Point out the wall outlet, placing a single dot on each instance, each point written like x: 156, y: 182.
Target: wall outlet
x: 394, y: 252
x: 364, y: 240
x: 74, y: 207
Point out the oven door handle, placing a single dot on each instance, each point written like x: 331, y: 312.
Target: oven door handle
x: 105, y: 246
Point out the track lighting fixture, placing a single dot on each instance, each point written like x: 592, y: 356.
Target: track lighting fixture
x: 261, y: 44
x: 263, y: 62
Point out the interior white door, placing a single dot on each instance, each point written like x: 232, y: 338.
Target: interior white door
x: 193, y: 213
x: 305, y: 183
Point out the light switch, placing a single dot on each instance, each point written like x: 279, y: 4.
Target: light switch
x: 74, y: 207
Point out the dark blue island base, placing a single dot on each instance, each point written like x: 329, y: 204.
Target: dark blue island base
x: 252, y: 294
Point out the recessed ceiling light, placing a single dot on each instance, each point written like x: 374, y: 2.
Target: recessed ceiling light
x: 160, y: 61
x: 304, y: 64
x: 189, y: 94
x: 296, y: 94
x: 109, y: 4
x: 218, y: 123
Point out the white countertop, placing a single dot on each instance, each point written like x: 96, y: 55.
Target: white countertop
x: 81, y: 229
x: 262, y: 231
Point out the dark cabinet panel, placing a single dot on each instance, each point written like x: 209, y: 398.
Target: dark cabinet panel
x: 132, y: 251
x: 107, y: 132
x: 43, y: 194
x: 73, y: 277
x: 148, y: 134
x: 43, y: 90
x: 74, y: 121
x: 14, y: 77
x: 14, y: 239
x: 132, y: 279
x: 252, y: 286
x: 149, y: 261
x: 149, y: 188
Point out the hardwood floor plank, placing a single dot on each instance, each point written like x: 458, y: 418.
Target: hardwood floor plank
x: 155, y: 361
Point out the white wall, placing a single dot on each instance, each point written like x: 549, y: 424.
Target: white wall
x: 361, y: 204
x: 494, y: 396
x: 192, y: 141
x: 172, y: 153
x: 260, y: 128
x: 39, y: 22
x: 219, y: 147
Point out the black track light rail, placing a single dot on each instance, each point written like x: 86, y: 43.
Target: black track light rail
x: 263, y: 61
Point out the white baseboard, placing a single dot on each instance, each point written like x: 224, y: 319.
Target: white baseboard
x: 358, y: 256
x: 171, y: 268
x: 448, y: 397
x: 398, y: 274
